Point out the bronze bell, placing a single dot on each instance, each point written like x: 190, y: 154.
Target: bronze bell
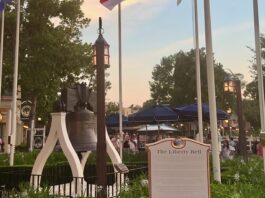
x: 81, y: 130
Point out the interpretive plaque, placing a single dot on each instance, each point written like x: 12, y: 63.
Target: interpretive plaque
x: 178, y: 168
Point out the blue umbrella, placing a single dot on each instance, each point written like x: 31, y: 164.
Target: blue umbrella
x: 154, y: 114
x: 113, y: 120
x: 156, y: 127
x: 190, y: 112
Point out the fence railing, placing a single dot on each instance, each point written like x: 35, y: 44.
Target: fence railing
x: 74, y: 186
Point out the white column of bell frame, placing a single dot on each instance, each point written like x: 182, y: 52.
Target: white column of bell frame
x: 57, y: 132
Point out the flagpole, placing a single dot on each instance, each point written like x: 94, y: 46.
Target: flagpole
x: 211, y: 92
x: 1, y: 50
x: 198, y: 71
x: 260, y: 73
x: 120, y: 82
x: 258, y: 62
x: 14, y: 99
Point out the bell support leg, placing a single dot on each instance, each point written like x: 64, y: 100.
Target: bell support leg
x: 58, y: 132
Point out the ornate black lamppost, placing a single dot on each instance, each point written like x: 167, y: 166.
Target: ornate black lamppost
x: 233, y: 85
x: 101, y: 60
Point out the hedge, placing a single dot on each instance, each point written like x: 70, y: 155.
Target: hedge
x: 12, y: 177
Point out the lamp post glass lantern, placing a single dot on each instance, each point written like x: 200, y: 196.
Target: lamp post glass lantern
x: 230, y: 86
x: 106, y: 54
x: 101, y: 61
x: 94, y: 55
x: 106, y: 51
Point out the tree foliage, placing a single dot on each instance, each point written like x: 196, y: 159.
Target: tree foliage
x: 112, y: 107
x: 148, y: 103
x: 51, y: 51
x: 251, y: 102
x: 174, y: 80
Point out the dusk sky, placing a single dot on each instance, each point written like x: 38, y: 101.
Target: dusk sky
x: 152, y: 29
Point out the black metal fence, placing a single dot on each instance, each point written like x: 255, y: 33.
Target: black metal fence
x: 67, y: 186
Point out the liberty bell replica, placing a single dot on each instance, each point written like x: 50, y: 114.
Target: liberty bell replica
x: 80, y: 118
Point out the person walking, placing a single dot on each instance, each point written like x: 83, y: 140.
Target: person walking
x: 1, y: 145
x: 232, y: 147
x: 115, y: 142
x: 126, y: 145
x: 133, y: 144
x: 260, y: 149
x: 226, y: 152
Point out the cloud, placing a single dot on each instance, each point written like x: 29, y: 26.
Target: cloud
x: 93, y: 9
x: 187, y: 43
x: 234, y: 29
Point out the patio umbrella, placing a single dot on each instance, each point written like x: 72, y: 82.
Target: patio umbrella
x: 190, y: 112
x: 154, y: 114
x: 113, y: 120
x: 156, y: 127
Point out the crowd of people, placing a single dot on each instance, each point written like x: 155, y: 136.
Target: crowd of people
x: 129, y: 143
x: 229, y: 148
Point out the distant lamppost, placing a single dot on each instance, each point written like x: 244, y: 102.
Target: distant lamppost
x: 101, y: 60
x: 233, y: 85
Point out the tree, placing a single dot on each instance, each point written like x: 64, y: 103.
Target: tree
x: 251, y: 101
x: 148, y: 103
x: 51, y: 51
x: 251, y: 112
x: 174, y: 80
x: 112, y: 107
x: 161, y: 89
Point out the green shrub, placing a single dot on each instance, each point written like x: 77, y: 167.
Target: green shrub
x: 239, y: 180
x: 12, y: 176
x: 28, y: 158
x: 22, y: 148
x: 137, y: 157
x: 238, y: 171
x: 239, y: 190
x: 138, y: 188
x: 27, y: 191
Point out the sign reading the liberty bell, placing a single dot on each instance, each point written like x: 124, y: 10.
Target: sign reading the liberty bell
x: 178, y: 168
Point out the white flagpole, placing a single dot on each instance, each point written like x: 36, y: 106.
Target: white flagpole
x: 1, y: 50
x: 260, y: 72
x: 198, y: 70
x: 14, y: 100
x: 258, y: 62
x: 211, y: 92
x: 120, y: 82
